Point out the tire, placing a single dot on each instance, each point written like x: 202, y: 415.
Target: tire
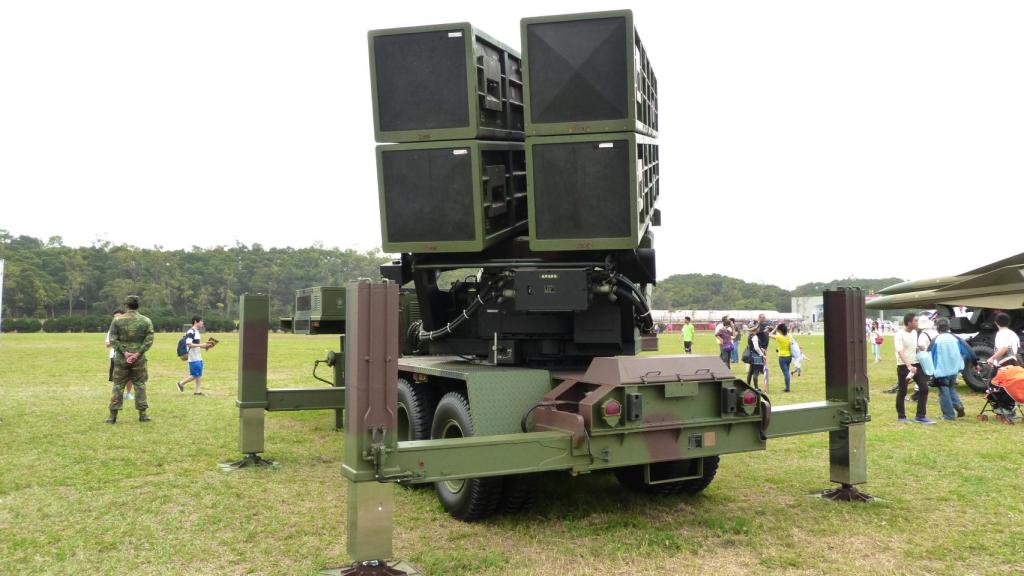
x: 974, y: 376
x: 467, y: 500
x: 632, y: 477
x: 518, y: 492
x: 414, y: 411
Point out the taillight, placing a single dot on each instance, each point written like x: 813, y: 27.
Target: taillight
x: 749, y: 398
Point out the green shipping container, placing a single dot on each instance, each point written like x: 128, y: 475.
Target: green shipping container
x: 319, y: 310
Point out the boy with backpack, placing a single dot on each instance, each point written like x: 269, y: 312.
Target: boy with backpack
x: 190, y: 348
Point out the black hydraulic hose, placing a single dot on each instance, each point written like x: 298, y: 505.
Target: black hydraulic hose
x: 644, y: 314
x: 642, y: 299
x: 766, y: 412
x: 633, y: 287
x: 451, y: 326
x: 316, y: 364
x: 462, y: 317
x: 548, y: 403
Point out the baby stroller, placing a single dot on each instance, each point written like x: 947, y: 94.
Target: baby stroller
x: 1004, y: 395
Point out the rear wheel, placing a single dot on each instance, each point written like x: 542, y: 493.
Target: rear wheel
x: 518, y: 492
x: 414, y: 411
x: 976, y: 376
x: 632, y: 477
x: 467, y: 500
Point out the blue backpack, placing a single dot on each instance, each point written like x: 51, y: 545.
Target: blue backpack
x: 183, y: 347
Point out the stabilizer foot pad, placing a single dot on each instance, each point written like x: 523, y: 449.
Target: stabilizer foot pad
x: 373, y: 568
x: 846, y: 493
x: 249, y: 461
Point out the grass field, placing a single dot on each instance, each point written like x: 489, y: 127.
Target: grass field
x: 80, y: 497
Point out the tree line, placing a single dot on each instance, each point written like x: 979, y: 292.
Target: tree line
x: 59, y: 288
x: 717, y: 292
x: 77, y: 288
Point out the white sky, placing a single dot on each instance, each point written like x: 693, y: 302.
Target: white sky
x: 859, y: 125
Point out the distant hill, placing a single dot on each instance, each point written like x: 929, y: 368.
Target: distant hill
x: 718, y: 292
x: 867, y: 284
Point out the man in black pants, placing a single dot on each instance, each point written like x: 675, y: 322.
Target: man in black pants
x: 908, y: 369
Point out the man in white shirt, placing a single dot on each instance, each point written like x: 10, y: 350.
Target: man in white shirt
x: 1007, y: 343
x: 195, y: 356
x: 908, y: 368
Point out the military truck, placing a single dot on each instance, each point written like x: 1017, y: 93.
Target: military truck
x: 531, y: 363
x: 545, y: 335
x: 317, y: 310
x: 970, y: 301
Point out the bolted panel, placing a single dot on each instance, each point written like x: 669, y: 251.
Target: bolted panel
x: 578, y: 70
x: 458, y: 196
x: 587, y: 73
x: 444, y: 82
x: 590, y: 192
x: 422, y: 188
x: 421, y: 80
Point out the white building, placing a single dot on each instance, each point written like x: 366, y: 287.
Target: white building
x: 809, y: 308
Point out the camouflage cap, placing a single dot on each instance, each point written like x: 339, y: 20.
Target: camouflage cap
x: 131, y: 300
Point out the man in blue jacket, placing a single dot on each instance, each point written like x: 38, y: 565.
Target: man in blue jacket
x: 948, y: 358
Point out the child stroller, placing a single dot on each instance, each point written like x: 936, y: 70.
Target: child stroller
x: 1004, y: 395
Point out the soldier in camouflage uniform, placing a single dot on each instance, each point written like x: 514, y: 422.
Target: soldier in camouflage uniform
x: 131, y: 335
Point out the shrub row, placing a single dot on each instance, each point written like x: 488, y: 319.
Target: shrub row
x: 102, y: 323
x: 21, y: 325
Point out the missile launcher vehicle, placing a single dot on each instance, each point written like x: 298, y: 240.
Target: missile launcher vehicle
x: 530, y: 361
x: 970, y: 301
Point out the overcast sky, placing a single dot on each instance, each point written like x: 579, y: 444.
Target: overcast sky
x: 800, y: 141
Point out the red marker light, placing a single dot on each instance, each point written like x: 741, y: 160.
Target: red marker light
x: 749, y: 398
x: 612, y: 408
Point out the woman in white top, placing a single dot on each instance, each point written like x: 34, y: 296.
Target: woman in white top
x: 875, y: 336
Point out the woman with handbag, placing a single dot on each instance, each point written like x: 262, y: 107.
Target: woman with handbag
x: 755, y: 354
x: 876, y: 341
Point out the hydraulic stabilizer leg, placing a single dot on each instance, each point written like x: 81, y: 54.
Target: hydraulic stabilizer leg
x: 253, y: 330
x: 846, y: 380
x: 371, y: 401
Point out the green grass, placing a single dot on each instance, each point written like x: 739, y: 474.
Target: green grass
x: 81, y: 497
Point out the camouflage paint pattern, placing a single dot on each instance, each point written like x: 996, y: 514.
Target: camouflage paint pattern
x: 130, y: 333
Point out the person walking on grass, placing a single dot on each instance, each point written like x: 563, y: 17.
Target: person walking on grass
x: 798, y: 357
x: 131, y: 336
x: 195, y: 356
x: 757, y: 342
x: 110, y: 376
x: 947, y: 361
x: 875, y: 336
x: 783, y: 348
x: 908, y: 369
x: 724, y: 338
x: 687, y: 335
x: 737, y: 339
